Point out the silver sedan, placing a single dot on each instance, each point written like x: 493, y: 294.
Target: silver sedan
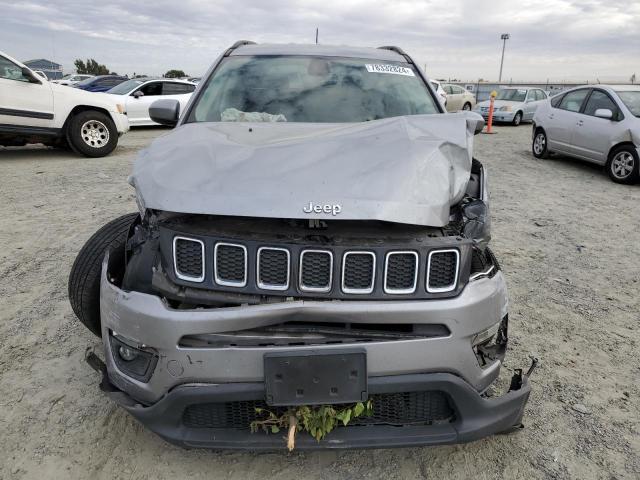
x: 599, y: 124
x: 513, y: 105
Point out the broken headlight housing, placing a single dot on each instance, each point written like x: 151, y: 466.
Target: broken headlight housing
x: 476, y: 221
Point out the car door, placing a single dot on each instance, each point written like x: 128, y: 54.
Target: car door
x: 138, y: 105
x: 178, y: 91
x: 458, y: 95
x: 530, y: 103
x: 23, y: 103
x: 592, y: 135
x: 561, y: 119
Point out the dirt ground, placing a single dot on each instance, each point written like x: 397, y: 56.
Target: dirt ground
x: 564, y: 233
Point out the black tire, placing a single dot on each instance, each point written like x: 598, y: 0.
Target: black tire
x: 84, y: 279
x: 540, y: 149
x: 466, y: 107
x: 623, y: 165
x: 92, y: 134
x: 517, y: 119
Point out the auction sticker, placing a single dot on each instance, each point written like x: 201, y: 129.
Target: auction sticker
x: 394, y: 69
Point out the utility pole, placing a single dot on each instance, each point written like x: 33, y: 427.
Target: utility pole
x: 316, y: 35
x: 504, y: 37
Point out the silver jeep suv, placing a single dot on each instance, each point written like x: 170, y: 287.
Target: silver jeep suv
x: 313, y: 232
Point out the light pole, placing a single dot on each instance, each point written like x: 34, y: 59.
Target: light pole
x: 504, y: 37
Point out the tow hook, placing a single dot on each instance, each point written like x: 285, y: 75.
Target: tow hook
x: 516, y: 380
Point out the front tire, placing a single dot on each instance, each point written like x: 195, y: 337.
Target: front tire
x: 84, y: 279
x: 517, y: 119
x: 466, y: 107
x: 623, y: 165
x: 92, y: 134
x: 539, y: 144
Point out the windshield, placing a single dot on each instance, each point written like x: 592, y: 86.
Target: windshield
x: 125, y: 87
x: 512, y: 94
x: 310, y: 89
x: 87, y: 81
x: 631, y: 100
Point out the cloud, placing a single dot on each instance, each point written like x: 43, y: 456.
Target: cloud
x: 456, y: 38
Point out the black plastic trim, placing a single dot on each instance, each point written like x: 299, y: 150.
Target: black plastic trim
x: 475, y: 416
x: 26, y: 113
x: 25, y: 130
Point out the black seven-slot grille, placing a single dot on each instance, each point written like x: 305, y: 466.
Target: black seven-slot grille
x: 430, y: 271
x: 397, y: 409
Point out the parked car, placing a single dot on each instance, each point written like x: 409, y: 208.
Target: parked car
x: 442, y: 94
x: 513, y: 105
x: 100, y: 83
x: 34, y: 110
x: 305, y: 237
x: 72, y: 79
x: 138, y: 94
x: 599, y: 124
x: 195, y: 80
x: 458, y: 98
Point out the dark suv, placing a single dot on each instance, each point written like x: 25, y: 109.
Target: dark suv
x: 313, y: 232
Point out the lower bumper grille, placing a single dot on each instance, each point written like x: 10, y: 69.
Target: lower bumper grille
x: 397, y: 409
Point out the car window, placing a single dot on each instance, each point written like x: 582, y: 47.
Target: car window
x: 572, y: 101
x: 311, y: 89
x: 542, y: 95
x: 456, y: 90
x: 555, y: 101
x: 151, y: 89
x: 512, y: 94
x: 173, y: 88
x: 599, y: 99
x: 11, y: 71
x: 631, y: 99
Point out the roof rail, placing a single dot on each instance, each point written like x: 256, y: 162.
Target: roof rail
x: 393, y: 48
x: 239, y: 43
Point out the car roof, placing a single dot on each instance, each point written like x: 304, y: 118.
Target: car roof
x: 318, y: 50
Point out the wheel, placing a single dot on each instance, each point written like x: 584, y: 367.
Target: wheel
x: 623, y: 165
x: 539, y: 145
x: 517, y: 119
x: 466, y: 106
x: 92, y: 134
x: 84, y: 279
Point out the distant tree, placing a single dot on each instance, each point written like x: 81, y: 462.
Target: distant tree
x: 91, y: 67
x: 175, y: 74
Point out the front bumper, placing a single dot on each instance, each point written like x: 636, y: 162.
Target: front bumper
x: 188, y: 376
x: 475, y: 416
x: 498, y: 116
x: 121, y: 121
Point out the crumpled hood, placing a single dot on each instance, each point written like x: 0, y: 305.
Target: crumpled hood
x: 402, y: 169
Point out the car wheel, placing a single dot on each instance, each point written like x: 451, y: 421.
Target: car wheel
x: 539, y: 145
x: 517, y: 119
x: 84, y: 279
x: 92, y: 134
x: 466, y: 107
x: 623, y: 165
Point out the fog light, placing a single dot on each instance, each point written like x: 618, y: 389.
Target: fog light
x: 486, y: 335
x: 127, y: 353
x: 134, y: 360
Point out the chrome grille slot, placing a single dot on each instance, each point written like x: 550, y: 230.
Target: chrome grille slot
x: 230, y: 264
x: 316, y: 271
x: 401, y: 272
x: 442, y: 270
x: 273, y: 268
x: 188, y: 259
x: 358, y: 272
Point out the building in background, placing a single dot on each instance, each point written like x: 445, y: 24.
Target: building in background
x: 52, y: 70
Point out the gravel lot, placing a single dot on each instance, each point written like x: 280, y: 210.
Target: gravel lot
x: 564, y: 233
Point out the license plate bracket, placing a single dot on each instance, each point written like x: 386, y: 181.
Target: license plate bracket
x: 315, y: 377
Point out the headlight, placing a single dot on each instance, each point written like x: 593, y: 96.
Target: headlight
x: 477, y: 222
x: 120, y: 108
x: 506, y: 108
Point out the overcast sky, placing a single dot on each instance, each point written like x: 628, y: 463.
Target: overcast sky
x: 556, y: 39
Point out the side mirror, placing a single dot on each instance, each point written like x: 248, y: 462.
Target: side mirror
x: 604, y: 113
x: 475, y: 122
x: 165, y: 112
x: 30, y: 76
x: 138, y: 94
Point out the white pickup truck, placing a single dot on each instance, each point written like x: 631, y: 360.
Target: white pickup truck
x: 34, y: 110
